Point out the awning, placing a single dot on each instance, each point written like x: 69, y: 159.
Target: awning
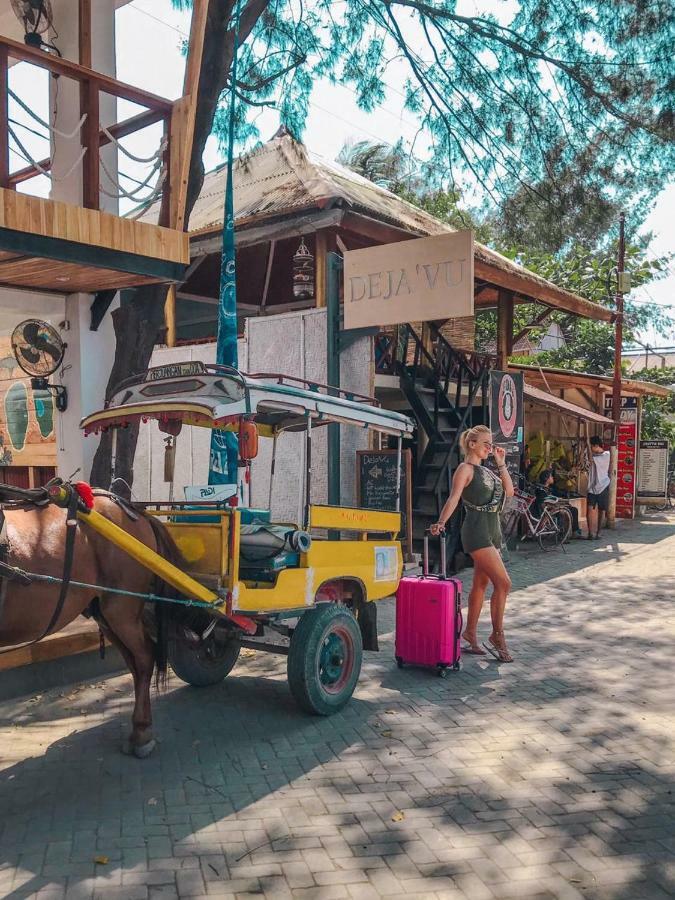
x: 570, y: 409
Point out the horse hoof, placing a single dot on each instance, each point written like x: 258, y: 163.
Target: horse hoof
x: 141, y: 751
x: 144, y: 750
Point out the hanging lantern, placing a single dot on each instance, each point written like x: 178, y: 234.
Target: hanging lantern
x: 303, y: 273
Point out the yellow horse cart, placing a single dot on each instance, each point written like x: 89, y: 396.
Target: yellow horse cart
x: 303, y: 589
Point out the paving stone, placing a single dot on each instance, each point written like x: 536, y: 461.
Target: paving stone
x: 550, y: 779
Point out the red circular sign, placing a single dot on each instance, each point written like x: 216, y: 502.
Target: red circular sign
x: 507, y: 406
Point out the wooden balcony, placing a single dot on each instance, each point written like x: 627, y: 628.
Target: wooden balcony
x: 48, y: 245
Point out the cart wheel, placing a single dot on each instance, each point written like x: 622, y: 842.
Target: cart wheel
x: 324, y: 659
x: 204, y: 664
x: 399, y: 662
x: 442, y: 671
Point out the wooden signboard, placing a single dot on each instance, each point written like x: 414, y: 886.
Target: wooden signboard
x: 410, y: 281
x: 626, y: 467
x: 376, y: 486
x: 27, y: 417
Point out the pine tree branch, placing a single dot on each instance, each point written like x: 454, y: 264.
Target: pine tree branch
x: 509, y: 38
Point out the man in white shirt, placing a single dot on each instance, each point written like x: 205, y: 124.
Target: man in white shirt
x: 597, y: 498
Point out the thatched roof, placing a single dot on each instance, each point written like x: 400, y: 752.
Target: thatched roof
x: 283, y: 178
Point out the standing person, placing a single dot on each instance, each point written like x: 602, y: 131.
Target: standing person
x: 482, y: 493
x: 597, y: 498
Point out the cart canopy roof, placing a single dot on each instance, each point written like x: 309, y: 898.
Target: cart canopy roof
x: 194, y: 393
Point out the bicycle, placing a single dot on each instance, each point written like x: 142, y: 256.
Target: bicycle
x: 669, y: 498
x: 552, y: 529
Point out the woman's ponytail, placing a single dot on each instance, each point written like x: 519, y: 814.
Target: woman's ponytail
x: 472, y: 434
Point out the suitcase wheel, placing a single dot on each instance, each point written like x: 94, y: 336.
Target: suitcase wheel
x: 399, y: 662
x: 456, y: 667
x: 442, y: 671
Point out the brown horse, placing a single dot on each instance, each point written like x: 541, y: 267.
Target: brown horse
x: 36, y: 539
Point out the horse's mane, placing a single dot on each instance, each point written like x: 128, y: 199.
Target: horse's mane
x: 166, y: 547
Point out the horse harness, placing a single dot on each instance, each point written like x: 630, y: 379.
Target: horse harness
x: 70, y: 496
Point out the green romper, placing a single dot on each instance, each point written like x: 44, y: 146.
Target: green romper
x: 482, y: 498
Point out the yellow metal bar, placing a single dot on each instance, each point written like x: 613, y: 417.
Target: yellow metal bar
x: 225, y: 524
x: 233, y: 562
x: 175, y: 512
x: 349, y: 519
x: 148, y: 558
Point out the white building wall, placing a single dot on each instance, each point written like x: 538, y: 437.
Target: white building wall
x: 291, y: 344
x: 554, y: 338
x: 90, y: 354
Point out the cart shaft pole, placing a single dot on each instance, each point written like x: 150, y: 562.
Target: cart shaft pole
x: 148, y: 558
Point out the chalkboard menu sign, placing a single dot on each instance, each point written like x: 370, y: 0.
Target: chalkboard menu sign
x: 376, y: 485
x: 653, y: 469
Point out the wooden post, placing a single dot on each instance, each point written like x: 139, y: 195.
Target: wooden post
x: 268, y: 275
x: 4, y: 120
x: 320, y: 247
x: 504, y: 328
x: 165, y: 205
x: 170, y: 316
x: 179, y: 148
x: 183, y: 117
x: 616, y: 386
x: 84, y: 36
x: 91, y: 172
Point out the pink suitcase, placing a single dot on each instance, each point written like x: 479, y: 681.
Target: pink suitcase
x: 429, y: 619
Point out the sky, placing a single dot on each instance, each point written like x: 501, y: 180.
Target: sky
x: 149, y: 37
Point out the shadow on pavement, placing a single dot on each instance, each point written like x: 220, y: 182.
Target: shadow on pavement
x: 566, y: 767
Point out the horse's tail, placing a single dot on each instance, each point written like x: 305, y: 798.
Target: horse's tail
x: 167, y: 548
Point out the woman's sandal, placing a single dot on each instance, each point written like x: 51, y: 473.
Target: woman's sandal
x: 498, y: 650
x: 472, y: 647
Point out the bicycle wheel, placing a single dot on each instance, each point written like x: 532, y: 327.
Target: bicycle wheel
x: 547, y: 533
x: 669, y: 498
x: 564, y: 521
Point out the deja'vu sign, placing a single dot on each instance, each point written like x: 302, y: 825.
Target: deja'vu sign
x: 410, y: 281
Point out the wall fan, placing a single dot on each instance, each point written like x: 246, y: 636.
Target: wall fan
x: 36, y: 17
x: 39, y: 350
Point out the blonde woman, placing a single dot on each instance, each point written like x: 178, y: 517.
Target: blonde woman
x: 482, y: 493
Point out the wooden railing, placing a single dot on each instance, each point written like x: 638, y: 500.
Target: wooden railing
x: 402, y: 345
x: 92, y: 84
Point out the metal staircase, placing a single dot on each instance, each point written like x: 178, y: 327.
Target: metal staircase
x: 446, y: 390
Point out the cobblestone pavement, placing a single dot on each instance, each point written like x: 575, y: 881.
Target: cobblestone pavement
x: 549, y: 778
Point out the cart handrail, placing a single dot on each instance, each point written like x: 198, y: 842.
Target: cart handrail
x: 141, y: 377
x: 274, y: 377
x: 311, y: 385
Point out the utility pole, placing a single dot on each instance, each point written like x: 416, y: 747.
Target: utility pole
x: 621, y: 286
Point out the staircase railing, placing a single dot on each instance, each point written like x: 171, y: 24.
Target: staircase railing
x: 455, y: 377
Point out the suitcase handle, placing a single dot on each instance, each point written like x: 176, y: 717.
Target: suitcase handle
x: 425, y: 556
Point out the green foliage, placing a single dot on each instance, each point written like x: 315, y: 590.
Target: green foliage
x: 393, y: 168
x: 574, y: 205
x: 386, y: 165
x: 589, y: 344
x: 576, y: 94
x: 658, y: 415
x: 590, y: 349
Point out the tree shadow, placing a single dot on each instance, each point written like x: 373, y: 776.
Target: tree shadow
x: 559, y: 766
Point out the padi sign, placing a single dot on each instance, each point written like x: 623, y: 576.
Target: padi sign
x: 410, y: 281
